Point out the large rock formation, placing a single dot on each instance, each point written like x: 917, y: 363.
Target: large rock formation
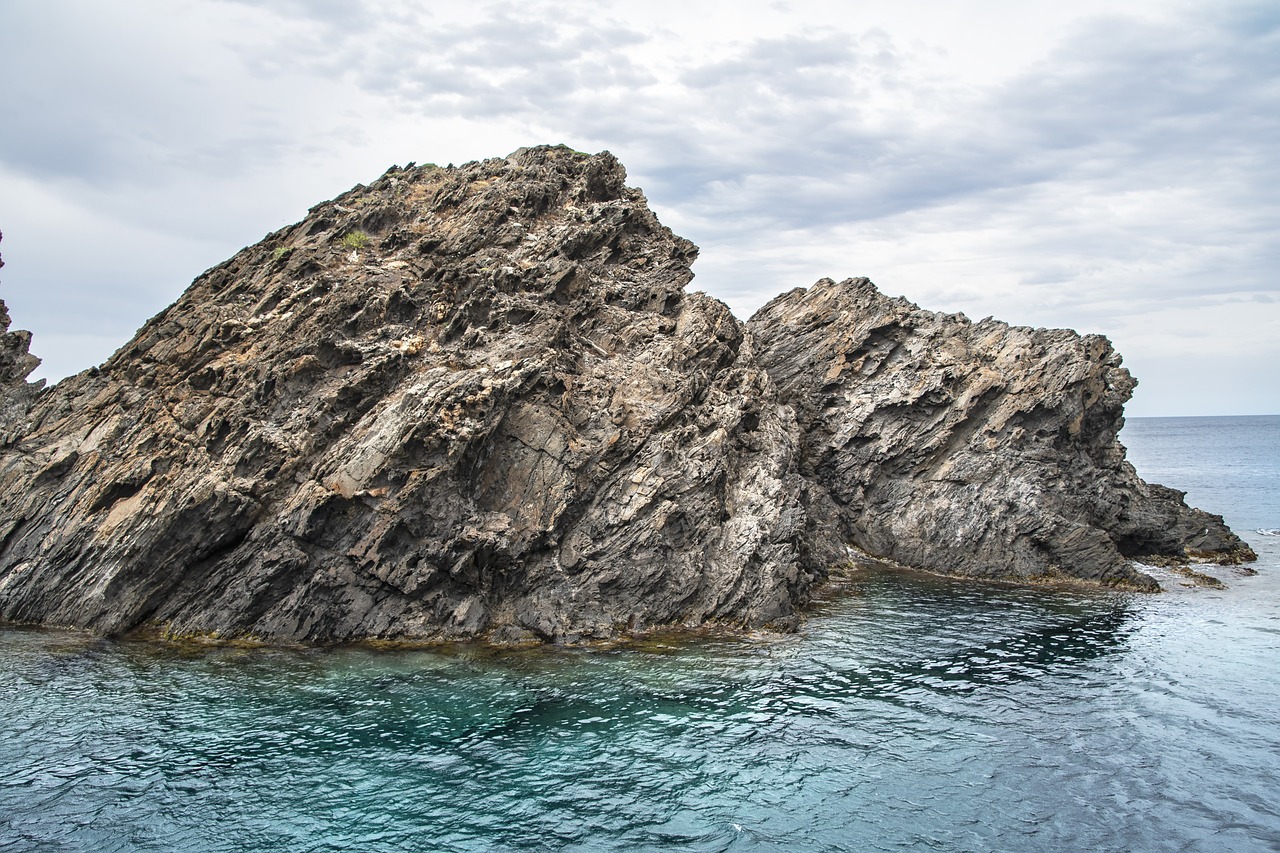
x: 455, y: 402
x: 978, y: 449
x: 479, y: 402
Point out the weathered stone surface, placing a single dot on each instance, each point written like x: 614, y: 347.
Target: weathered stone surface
x: 458, y: 402
x: 976, y: 449
x: 16, y: 364
x: 478, y: 402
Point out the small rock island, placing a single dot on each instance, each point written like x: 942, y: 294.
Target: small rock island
x: 478, y: 402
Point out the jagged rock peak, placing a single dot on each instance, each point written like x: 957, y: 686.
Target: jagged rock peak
x: 978, y: 449
x: 16, y: 364
x: 457, y: 402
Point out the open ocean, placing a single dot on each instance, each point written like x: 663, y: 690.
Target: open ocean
x: 915, y: 713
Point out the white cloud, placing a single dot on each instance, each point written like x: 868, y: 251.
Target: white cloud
x: 1046, y: 163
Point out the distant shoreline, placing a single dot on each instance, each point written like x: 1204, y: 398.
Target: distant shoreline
x: 1191, y: 417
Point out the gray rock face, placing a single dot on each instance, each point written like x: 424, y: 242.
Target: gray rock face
x: 478, y: 402
x: 455, y: 403
x: 977, y: 449
x: 16, y: 364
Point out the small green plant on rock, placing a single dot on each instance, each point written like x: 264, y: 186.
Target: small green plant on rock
x: 281, y: 252
x: 355, y: 240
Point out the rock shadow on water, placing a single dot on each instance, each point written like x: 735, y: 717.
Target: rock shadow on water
x: 1038, y: 633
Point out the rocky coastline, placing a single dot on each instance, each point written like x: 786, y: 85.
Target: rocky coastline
x: 479, y: 403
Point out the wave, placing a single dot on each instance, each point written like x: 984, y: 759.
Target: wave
x: 1268, y: 531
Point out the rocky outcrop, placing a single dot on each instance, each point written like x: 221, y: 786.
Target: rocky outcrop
x: 978, y: 449
x: 478, y: 402
x: 457, y: 402
x: 16, y: 364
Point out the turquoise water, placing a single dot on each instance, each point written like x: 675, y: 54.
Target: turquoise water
x: 915, y: 713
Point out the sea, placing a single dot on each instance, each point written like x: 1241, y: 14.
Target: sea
x: 911, y: 712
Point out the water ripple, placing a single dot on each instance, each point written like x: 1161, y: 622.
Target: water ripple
x: 916, y: 714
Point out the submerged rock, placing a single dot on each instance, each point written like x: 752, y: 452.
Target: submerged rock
x: 478, y: 402
x: 978, y: 449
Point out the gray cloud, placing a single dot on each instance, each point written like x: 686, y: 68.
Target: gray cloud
x: 1128, y: 170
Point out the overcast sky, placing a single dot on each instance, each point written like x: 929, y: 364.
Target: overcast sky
x: 1047, y: 163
